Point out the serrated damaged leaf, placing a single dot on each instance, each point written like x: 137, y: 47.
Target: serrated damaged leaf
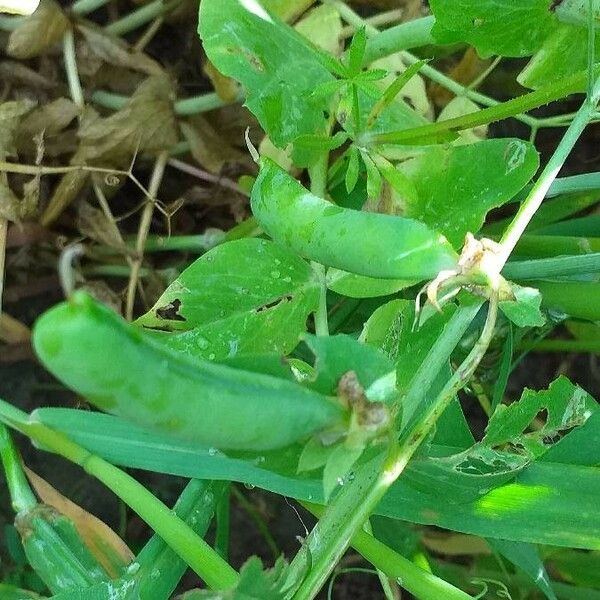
x: 244, y: 297
x: 278, y: 68
x: 540, y: 419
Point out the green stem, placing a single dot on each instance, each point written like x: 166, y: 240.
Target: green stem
x: 510, y: 108
x: 191, y: 548
x: 70, y: 59
x: 553, y: 245
x: 436, y: 358
x: 561, y: 266
x: 342, y: 520
x: 188, y: 106
x: 10, y: 23
x: 141, y: 16
x: 22, y: 497
x: 535, y: 197
x: 413, y: 436
x: 318, y: 186
x: 592, y: 346
x: 574, y: 183
x: 420, y: 583
x: 85, y: 7
x: 413, y: 34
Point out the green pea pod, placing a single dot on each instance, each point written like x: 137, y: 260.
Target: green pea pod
x: 117, y: 367
x: 371, y: 244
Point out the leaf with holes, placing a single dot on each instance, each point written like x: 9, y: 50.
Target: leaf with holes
x: 244, y: 297
x: 548, y: 414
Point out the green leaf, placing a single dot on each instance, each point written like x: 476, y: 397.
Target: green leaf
x: 545, y: 492
x: 244, y: 297
x: 385, y: 326
x: 10, y: 592
x: 356, y: 52
x: 524, y: 310
x: 526, y: 557
x: 278, y: 68
x: 458, y: 185
x: 338, y: 465
x: 123, y: 589
x: 360, y: 286
x: 563, y: 53
x: 373, y: 177
x: 561, y: 407
x: 255, y: 584
x: 353, y: 169
x: 338, y: 354
x: 577, y: 12
x: 503, y: 27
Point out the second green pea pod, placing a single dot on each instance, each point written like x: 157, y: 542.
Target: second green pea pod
x: 371, y: 244
x: 119, y: 369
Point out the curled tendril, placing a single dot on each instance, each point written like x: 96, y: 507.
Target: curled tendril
x: 112, y: 180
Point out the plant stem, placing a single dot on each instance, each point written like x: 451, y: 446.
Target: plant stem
x: 436, y: 358
x: 510, y: 108
x: 413, y: 436
x: 535, y: 197
x: 85, y: 7
x: 188, y: 106
x: 145, y: 222
x: 560, y: 266
x: 413, y: 34
x: 383, y: 18
x: 420, y: 583
x: 552, y: 245
x: 318, y: 186
x: 342, y: 519
x: 141, y: 16
x: 191, y: 548
x: 70, y: 59
x: 22, y: 498
x: 357, y: 499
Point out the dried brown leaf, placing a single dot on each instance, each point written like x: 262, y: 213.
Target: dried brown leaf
x: 115, y: 51
x: 108, y: 548
x: 93, y: 223
x: 39, y: 32
x: 12, y: 71
x: 227, y: 88
x: 207, y: 145
x: 49, y: 120
x: 13, y: 331
x: 11, y: 114
x: 15, y: 209
x: 147, y: 123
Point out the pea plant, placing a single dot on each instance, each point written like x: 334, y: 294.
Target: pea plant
x: 320, y: 349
